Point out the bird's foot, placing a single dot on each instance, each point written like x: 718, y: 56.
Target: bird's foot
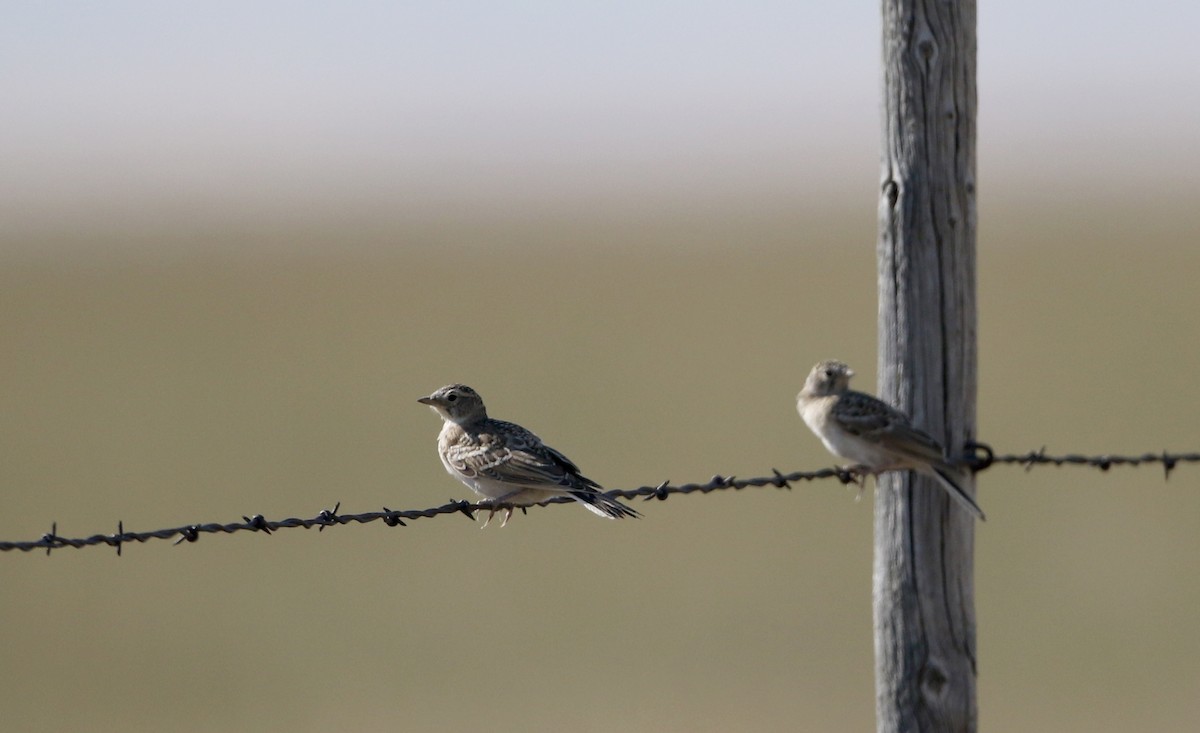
x: 856, y: 475
x: 491, y: 513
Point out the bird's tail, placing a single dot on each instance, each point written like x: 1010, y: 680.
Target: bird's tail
x: 944, y: 476
x: 605, y: 506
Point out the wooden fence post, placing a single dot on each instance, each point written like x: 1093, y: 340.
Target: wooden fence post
x: 925, y: 660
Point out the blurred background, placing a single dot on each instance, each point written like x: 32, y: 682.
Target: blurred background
x: 238, y: 241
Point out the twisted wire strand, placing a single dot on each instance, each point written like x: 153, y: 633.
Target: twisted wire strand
x: 979, y: 457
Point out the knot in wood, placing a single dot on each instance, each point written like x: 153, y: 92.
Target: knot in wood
x: 933, y: 681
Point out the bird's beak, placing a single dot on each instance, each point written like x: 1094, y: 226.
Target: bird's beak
x: 849, y: 373
x: 426, y: 401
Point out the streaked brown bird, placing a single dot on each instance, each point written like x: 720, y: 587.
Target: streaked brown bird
x: 871, y: 433
x: 506, y: 463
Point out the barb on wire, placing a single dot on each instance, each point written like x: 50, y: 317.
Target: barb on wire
x: 397, y: 518
x: 979, y: 457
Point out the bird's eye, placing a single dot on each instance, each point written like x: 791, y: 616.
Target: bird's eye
x: 452, y: 397
x: 829, y: 373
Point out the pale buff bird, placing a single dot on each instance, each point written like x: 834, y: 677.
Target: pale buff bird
x: 506, y: 463
x: 870, y: 432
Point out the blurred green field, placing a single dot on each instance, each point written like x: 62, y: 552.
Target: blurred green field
x: 194, y: 374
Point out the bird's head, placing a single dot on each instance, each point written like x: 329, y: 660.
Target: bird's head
x: 456, y: 403
x: 828, y: 377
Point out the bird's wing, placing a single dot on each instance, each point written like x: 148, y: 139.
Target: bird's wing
x: 874, y: 420
x: 916, y: 443
x: 865, y: 416
x: 508, y: 452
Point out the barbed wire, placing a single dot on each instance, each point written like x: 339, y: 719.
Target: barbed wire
x: 979, y: 457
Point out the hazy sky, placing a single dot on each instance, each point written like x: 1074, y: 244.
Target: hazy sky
x: 118, y: 107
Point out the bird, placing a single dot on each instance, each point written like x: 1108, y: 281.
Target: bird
x: 872, y: 433
x: 506, y: 463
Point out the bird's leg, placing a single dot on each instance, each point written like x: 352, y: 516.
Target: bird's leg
x: 493, y: 506
x: 508, y: 510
